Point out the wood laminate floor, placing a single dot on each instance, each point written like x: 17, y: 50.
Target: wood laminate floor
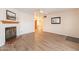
x: 40, y: 41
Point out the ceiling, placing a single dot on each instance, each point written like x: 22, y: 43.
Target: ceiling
x: 45, y: 10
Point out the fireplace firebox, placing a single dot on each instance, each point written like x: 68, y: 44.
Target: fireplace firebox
x: 10, y: 32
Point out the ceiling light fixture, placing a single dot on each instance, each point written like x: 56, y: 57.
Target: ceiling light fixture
x: 41, y: 11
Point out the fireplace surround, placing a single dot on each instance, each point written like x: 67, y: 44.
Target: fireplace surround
x: 12, y: 33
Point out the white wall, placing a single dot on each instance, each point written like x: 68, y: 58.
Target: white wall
x: 69, y: 23
x: 26, y: 23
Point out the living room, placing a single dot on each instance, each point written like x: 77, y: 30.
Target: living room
x: 35, y: 29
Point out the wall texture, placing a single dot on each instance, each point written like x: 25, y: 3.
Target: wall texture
x: 26, y: 24
x: 69, y: 23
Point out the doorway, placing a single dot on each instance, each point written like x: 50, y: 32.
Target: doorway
x: 38, y: 25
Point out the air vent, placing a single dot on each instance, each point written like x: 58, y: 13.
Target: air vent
x: 45, y: 16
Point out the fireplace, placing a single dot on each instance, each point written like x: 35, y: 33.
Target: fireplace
x: 10, y: 32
